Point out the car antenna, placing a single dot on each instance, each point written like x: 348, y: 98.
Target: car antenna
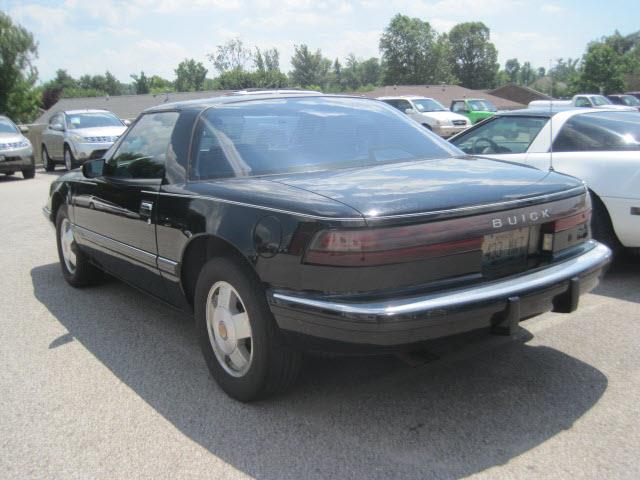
x: 551, y: 169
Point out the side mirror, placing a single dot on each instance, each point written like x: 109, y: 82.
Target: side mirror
x: 57, y: 127
x: 93, y: 168
x: 409, y: 111
x: 23, y: 129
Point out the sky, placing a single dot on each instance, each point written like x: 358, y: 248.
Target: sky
x: 126, y: 36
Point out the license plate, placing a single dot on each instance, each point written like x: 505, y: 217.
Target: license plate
x: 505, y: 246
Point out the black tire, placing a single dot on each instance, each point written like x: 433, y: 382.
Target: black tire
x: 85, y: 273
x: 47, y: 163
x: 601, y: 226
x: 29, y: 172
x: 274, y: 366
x: 71, y: 164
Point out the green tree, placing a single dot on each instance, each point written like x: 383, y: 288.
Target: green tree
x: 473, y: 56
x: 18, y: 49
x: 157, y: 84
x: 410, y: 52
x: 512, y: 68
x: 309, y: 68
x: 190, y: 76
x: 370, y: 72
x: 601, y: 69
x: 54, y: 89
x: 141, y: 83
x: 232, y: 55
x: 527, y: 74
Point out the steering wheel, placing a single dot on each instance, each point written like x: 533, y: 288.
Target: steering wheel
x: 494, y: 146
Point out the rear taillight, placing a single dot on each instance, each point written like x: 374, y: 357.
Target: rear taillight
x: 566, y: 223
x: 383, y: 246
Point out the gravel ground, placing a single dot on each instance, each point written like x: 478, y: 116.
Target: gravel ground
x: 106, y: 383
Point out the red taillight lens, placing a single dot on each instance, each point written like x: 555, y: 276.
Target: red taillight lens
x: 385, y: 245
x: 573, y: 221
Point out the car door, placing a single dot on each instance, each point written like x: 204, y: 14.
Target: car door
x: 53, y: 136
x: 115, y: 213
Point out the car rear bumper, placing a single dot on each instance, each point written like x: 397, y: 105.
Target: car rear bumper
x: 398, y: 321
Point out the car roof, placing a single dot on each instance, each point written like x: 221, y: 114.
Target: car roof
x: 85, y: 110
x: 244, y: 96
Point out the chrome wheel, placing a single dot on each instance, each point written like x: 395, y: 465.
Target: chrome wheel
x: 67, y: 245
x: 229, y: 329
x: 68, y: 161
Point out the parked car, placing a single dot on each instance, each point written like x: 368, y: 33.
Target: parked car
x: 295, y: 221
x: 16, y: 153
x: 74, y: 136
x: 429, y: 113
x: 601, y: 147
x: 627, y: 100
x: 579, y: 101
x: 475, y: 109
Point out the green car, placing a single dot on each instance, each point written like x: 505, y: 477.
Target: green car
x: 475, y: 109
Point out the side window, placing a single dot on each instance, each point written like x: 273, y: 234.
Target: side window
x: 143, y: 152
x: 501, y: 135
x: 609, y: 131
x: 403, y: 105
x: 458, y: 107
x: 582, y: 102
x: 393, y: 103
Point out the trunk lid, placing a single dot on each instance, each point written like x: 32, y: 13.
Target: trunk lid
x: 423, y: 187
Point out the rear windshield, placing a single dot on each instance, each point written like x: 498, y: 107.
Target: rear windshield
x: 273, y: 136
x: 90, y: 120
x: 599, y: 131
x: 7, y: 126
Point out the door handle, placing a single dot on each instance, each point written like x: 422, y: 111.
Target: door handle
x: 146, y: 208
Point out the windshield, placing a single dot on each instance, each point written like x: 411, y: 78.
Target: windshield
x: 91, y: 120
x: 428, y: 105
x: 598, y: 100
x: 482, y: 106
x: 307, y: 134
x: 7, y: 126
x: 630, y: 100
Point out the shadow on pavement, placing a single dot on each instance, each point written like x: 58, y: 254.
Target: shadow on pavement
x: 482, y: 403
x: 623, y: 278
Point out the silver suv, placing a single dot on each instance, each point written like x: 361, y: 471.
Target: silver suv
x: 16, y: 154
x: 74, y: 136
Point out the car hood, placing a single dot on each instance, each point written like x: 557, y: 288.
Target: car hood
x: 444, y: 115
x: 6, y: 137
x: 428, y: 186
x: 114, y: 131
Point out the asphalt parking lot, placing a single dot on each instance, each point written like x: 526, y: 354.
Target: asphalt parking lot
x: 106, y: 383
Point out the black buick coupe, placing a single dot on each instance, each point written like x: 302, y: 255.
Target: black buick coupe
x: 288, y: 221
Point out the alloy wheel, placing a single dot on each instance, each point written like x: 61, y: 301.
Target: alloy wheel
x: 67, y: 245
x: 229, y: 329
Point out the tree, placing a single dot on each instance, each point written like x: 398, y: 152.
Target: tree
x: 54, y: 89
x: 18, y: 50
x: 601, y: 69
x: 512, y: 68
x: 141, y: 83
x: 157, y: 84
x: 370, y: 72
x: 410, y: 52
x: 230, y: 56
x: 473, y: 56
x: 527, y: 74
x: 190, y: 76
x: 309, y: 69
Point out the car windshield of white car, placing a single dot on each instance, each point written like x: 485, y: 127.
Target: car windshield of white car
x: 599, y: 100
x: 6, y: 126
x: 428, y: 105
x: 287, y: 135
x: 601, y: 131
x: 92, y: 120
x: 502, y: 134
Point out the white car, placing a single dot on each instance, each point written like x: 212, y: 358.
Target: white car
x: 599, y: 146
x: 587, y: 100
x: 430, y: 113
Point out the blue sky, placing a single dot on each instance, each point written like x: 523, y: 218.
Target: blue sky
x: 126, y: 36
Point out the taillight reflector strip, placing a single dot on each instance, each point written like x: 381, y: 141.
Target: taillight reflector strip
x: 573, y: 221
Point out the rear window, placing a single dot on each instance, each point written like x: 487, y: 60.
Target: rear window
x: 599, y: 132
x: 273, y: 136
